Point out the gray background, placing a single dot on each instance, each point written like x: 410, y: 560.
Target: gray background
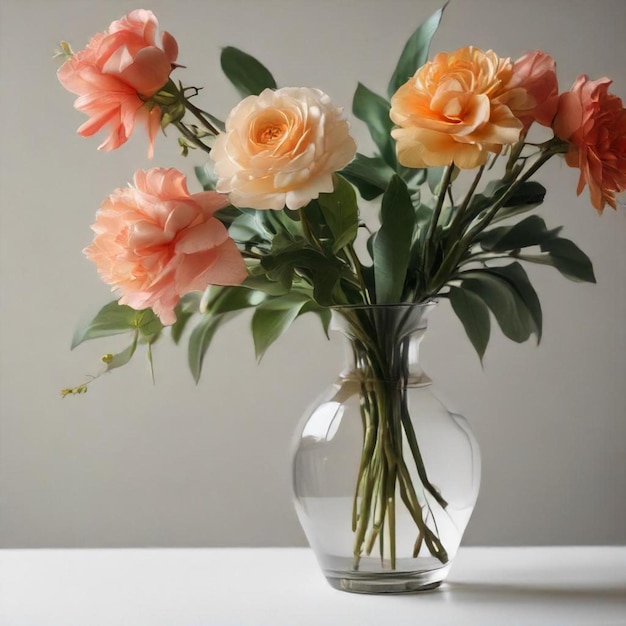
x: 132, y: 464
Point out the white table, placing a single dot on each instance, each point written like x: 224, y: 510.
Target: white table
x: 277, y: 586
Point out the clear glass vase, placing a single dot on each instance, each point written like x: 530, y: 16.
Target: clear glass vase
x: 385, y: 478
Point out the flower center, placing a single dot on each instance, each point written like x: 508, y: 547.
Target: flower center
x: 270, y: 134
x: 269, y: 127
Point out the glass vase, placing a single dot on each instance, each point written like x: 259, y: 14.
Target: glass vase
x: 385, y: 478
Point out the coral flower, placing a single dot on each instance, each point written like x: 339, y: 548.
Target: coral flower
x: 534, y: 75
x: 155, y: 242
x: 593, y: 122
x: 281, y: 148
x: 117, y: 73
x: 455, y: 110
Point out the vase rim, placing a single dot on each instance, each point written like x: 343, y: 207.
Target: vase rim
x: 428, y: 304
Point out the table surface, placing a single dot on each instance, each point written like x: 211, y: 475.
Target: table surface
x: 283, y: 586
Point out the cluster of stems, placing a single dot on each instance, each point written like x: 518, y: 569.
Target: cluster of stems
x: 174, y: 101
x: 458, y: 234
x: 380, y: 345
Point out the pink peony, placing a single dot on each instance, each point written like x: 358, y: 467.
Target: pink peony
x: 155, y: 242
x: 281, y: 148
x: 117, y: 73
x: 534, y: 75
x: 593, y: 122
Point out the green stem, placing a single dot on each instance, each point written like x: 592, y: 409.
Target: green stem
x: 485, y: 221
x: 187, y: 134
x: 382, y: 357
x: 356, y: 265
x: 199, y: 114
x: 460, y: 247
x: 432, y: 227
x: 419, y: 461
x: 458, y: 219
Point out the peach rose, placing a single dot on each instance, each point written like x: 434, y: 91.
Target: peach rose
x: 155, y: 242
x: 280, y: 148
x: 593, y: 122
x: 116, y: 73
x: 453, y: 110
x: 534, y: 75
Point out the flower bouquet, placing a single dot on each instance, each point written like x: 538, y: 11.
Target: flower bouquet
x: 277, y: 227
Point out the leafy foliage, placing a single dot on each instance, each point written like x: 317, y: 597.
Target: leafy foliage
x: 392, y: 245
x: 374, y: 111
x: 428, y: 245
x: 415, y: 52
x: 249, y: 76
x: 474, y: 315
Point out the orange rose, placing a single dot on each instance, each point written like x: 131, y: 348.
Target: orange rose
x: 281, y: 148
x: 155, y: 242
x: 593, y: 122
x: 453, y: 110
x: 116, y: 73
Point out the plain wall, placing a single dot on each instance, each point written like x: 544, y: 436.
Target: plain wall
x: 174, y: 464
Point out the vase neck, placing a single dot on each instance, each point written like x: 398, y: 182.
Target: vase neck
x: 383, y: 342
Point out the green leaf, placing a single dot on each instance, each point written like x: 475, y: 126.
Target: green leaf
x: 248, y: 228
x: 341, y: 213
x: 392, y: 245
x: 206, y: 175
x: 374, y: 111
x: 149, y: 325
x: 188, y: 306
x: 504, y: 302
x: 518, y: 279
x: 264, y: 284
x: 322, y: 271
x: 528, y: 192
x: 227, y: 299
x: 247, y: 74
x: 113, y: 361
x: 370, y: 175
x: 415, y: 52
x: 531, y: 231
x: 317, y: 228
x: 223, y: 303
x: 112, y: 319
x: 272, y: 318
x: 178, y: 327
x: 325, y: 316
x: 566, y: 257
x: 474, y: 316
x: 199, y: 342
x: 228, y: 215
x: 506, y: 213
x: 326, y: 281
x: 482, y: 201
x: 570, y: 260
x: 529, y: 195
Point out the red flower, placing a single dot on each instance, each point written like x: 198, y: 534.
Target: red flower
x: 593, y: 122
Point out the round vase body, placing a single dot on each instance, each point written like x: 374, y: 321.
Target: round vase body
x: 385, y: 478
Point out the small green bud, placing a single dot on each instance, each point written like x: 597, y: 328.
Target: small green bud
x: 64, y: 50
x: 184, y: 146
